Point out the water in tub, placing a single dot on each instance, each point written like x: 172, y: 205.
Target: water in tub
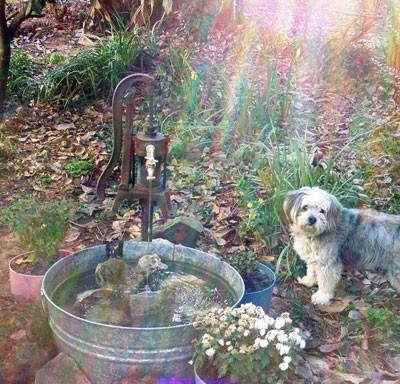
x: 148, y: 294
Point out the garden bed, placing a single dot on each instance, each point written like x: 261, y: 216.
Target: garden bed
x: 353, y: 340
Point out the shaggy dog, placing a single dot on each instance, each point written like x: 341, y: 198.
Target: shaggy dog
x: 327, y: 236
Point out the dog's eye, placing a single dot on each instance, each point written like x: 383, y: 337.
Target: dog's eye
x: 322, y: 211
x: 304, y: 207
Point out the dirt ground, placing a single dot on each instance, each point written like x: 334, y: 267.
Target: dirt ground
x: 7, y: 250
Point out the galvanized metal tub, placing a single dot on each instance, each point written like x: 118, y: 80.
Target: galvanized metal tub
x: 109, y: 353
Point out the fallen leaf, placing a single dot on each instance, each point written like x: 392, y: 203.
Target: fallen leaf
x: 338, y: 305
x: 23, y: 261
x: 87, y: 198
x: 62, y: 127
x: 355, y: 315
x: 40, y: 189
x: 18, y: 335
x: 72, y: 235
x: 327, y: 348
x: 220, y: 241
x: 216, y: 209
x: 376, y: 278
x: 318, y: 366
x: 350, y: 377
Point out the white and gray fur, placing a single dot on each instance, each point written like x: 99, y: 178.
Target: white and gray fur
x: 328, y: 236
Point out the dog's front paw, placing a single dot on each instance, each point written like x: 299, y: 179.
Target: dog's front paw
x: 305, y: 280
x: 321, y: 298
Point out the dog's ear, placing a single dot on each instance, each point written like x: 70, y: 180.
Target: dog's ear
x: 287, y: 207
x: 333, y: 212
x: 292, y: 204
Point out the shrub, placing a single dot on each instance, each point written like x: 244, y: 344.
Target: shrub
x: 40, y: 226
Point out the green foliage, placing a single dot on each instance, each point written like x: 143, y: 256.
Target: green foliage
x: 10, y: 21
x: 44, y: 180
x: 248, y: 119
x: 383, y: 326
x: 177, y: 148
x: 190, y: 136
x: 197, y: 93
x: 77, y: 79
x: 258, y: 109
x: 275, y: 170
x: 196, y: 175
x: 23, y: 74
x: 35, y: 7
x: 377, y: 159
x: 96, y: 71
x: 56, y: 59
x: 244, y: 262
x: 40, y: 226
x: 293, y: 167
x: 80, y: 167
x: 383, y: 323
x: 288, y: 261
x: 202, y: 15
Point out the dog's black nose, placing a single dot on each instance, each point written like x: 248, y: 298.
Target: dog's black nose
x: 312, y: 220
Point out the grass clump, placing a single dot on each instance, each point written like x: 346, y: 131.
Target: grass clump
x: 95, y: 71
x: 23, y: 76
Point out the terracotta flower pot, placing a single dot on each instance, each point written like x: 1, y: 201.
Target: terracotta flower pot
x: 29, y: 286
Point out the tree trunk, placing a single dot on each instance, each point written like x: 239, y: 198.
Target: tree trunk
x: 5, y: 54
x: 7, y: 32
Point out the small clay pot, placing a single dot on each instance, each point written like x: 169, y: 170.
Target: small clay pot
x: 29, y: 286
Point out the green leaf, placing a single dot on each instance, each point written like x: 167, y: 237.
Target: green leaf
x: 37, y: 6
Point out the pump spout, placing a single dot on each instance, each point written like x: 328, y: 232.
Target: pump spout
x: 151, y: 162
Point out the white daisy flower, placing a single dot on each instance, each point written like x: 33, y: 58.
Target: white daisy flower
x: 279, y: 322
x: 283, y: 366
x: 210, y: 352
x: 284, y: 350
x: 287, y: 359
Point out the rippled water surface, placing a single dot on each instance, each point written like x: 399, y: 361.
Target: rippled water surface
x: 170, y: 297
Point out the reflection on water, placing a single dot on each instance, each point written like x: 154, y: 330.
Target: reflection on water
x: 168, y: 297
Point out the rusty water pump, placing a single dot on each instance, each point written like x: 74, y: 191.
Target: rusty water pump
x: 144, y: 154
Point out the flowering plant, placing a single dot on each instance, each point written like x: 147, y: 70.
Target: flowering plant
x: 245, y: 345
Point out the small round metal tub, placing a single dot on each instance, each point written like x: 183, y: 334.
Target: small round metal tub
x: 109, y: 353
